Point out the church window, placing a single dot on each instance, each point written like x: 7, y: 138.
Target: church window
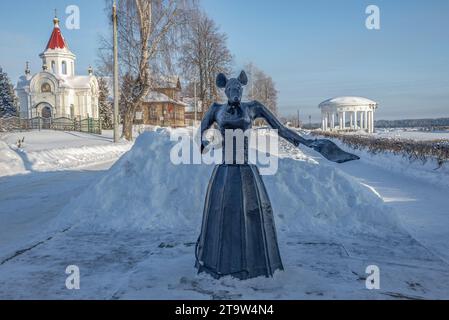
x: 53, y: 67
x: 45, y: 87
x: 64, y: 67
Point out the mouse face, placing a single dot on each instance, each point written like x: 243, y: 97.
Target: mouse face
x: 233, y: 87
x: 234, y: 91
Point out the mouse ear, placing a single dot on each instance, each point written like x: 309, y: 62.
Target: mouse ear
x: 243, y: 79
x: 221, y: 80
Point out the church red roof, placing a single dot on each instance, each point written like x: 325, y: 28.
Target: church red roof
x: 56, y: 40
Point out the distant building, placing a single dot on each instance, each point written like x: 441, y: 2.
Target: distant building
x: 190, y: 110
x: 57, y: 91
x: 163, y: 106
x: 348, y: 114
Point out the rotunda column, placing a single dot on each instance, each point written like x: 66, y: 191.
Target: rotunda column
x: 351, y: 122
x: 365, y: 119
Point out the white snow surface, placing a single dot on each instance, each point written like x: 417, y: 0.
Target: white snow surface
x: 49, y: 150
x: 10, y: 161
x: 413, y: 134
x: 132, y: 231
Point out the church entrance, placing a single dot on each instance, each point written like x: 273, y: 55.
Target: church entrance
x: 46, y: 112
x: 46, y: 115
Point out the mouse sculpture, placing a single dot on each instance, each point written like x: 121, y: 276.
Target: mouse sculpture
x: 238, y: 235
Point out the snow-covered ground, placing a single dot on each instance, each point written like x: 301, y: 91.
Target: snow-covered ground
x: 49, y: 150
x: 132, y: 230
x: 412, y: 134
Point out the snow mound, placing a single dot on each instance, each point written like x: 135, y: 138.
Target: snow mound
x: 68, y: 158
x: 10, y: 161
x: 145, y: 191
x: 53, y: 151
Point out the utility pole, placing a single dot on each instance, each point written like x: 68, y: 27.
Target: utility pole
x: 116, y: 93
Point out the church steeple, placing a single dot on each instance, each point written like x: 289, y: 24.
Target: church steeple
x: 57, y: 56
x: 56, y: 39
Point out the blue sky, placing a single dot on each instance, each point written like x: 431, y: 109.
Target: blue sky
x: 313, y: 49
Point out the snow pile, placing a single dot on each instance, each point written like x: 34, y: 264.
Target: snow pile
x: 145, y: 191
x: 10, y: 161
x: 68, y: 158
x: 55, y: 150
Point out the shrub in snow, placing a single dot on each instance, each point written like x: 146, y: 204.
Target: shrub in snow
x: 411, y: 149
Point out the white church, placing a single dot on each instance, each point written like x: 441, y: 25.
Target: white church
x: 57, y: 91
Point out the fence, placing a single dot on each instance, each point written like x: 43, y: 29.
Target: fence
x: 89, y: 125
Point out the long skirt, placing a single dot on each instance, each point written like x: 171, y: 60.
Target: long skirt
x: 238, y: 235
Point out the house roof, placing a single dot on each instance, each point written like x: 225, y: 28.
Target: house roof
x: 155, y: 96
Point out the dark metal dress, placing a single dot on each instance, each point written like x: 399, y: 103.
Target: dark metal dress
x: 238, y: 234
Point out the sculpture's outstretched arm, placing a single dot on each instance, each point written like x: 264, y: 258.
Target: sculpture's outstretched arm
x: 260, y: 111
x: 207, y: 122
x: 326, y: 147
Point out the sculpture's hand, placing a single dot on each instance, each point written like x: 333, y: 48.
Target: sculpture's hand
x: 331, y: 151
x: 204, y: 146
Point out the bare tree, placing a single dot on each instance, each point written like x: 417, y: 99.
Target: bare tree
x: 204, y: 54
x: 146, y: 31
x: 261, y: 87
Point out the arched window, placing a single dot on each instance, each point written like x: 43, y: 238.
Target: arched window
x: 53, y: 67
x: 45, y: 87
x: 64, y: 67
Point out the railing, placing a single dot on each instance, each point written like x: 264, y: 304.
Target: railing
x: 89, y: 125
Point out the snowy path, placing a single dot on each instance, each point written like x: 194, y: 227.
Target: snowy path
x: 29, y: 202
x: 422, y: 207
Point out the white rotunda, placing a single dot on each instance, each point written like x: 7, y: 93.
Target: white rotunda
x: 348, y: 114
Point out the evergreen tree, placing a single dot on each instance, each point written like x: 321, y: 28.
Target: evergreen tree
x: 8, y: 99
x: 104, y: 104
